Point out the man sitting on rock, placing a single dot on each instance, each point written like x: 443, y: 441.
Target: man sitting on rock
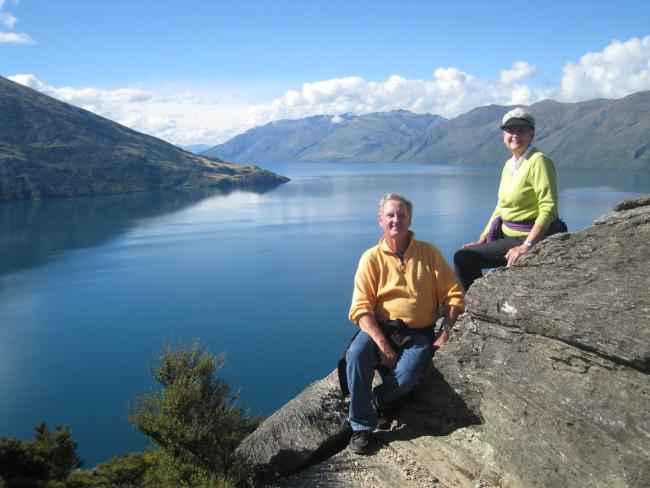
x: 399, y: 278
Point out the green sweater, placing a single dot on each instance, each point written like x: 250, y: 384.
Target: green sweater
x: 531, y: 193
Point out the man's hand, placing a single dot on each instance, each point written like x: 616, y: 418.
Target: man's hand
x: 442, y: 338
x: 387, y: 356
x: 451, y: 315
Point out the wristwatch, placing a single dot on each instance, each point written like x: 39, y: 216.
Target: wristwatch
x: 445, y: 326
x: 528, y: 244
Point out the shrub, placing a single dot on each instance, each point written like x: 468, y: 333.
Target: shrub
x: 194, y: 419
x: 45, y: 461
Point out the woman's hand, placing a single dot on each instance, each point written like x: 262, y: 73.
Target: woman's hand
x: 481, y: 240
x: 536, y: 233
x: 514, y: 252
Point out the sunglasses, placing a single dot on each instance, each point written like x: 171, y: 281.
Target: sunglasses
x: 516, y: 129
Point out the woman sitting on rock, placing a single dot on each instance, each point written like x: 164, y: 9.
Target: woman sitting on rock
x: 527, y: 205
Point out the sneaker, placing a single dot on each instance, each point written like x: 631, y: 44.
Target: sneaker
x: 388, y: 413
x: 384, y: 419
x: 360, y: 442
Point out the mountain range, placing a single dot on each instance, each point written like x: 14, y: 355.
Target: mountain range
x: 49, y: 148
x: 598, y: 133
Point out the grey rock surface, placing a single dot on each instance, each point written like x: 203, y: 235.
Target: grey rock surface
x: 312, y: 423
x: 543, y: 384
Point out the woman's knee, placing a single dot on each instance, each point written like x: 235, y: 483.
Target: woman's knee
x: 465, y: 257
x: 458, y: 257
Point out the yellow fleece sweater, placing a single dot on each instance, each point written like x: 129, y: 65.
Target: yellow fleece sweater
x: 412, y: 291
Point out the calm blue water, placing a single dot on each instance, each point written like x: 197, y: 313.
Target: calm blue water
x: 91, y: 288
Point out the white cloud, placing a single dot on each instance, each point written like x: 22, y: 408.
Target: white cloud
x: 449, y: 93
x: 13, y: 38
x: 178, y: 116
x: 618, y: 70
x: 521, y: 95
x: 208, y: 115
x: 520, y: 70
x: 8, y: 21
x: 101, y: 100
x: 29, y: 80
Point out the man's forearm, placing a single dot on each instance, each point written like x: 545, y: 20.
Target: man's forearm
x: 369, y: 325
x: 451, y: 314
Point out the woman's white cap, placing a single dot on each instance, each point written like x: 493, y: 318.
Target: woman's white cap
x: 518, y: 116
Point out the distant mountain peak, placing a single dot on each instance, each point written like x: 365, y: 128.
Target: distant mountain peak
x: 583, y: 134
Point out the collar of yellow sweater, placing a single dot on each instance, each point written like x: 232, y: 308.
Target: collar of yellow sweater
x: 383, y: 245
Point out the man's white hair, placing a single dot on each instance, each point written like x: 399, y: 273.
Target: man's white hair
x: 399, y: 198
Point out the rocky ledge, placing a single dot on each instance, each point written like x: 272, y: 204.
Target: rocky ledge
x: 543, y: 384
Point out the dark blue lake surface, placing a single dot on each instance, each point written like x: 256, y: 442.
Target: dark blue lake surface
x: 91, y: 288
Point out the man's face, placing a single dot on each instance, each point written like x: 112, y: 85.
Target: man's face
x: 394, y: 219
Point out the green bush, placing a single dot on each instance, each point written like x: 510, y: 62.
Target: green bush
x: 193, y: 418
x: 45, y: 461
x: 125, y: 472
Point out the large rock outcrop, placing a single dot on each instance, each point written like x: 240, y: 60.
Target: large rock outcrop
x: 544, y: 383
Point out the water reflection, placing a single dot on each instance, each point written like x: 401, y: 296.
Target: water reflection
x: 625, y: 181
x: 31, y: 232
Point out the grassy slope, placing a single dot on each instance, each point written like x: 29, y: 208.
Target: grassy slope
x: 49, y: 148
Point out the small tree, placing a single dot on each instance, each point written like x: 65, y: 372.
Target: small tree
x: 194, y: 416
x: 58, y: 448
x: 46, y: 460
x: 127, y: 471
x: 21, y: 465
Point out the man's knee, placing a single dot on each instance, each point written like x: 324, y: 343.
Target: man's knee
x: 362, y: 349
x: 409, y: 374
x: 408, y: 380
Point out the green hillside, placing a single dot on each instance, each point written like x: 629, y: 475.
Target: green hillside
x: 51, y: 149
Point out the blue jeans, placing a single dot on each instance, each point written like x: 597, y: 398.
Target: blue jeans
x: 362, y: 357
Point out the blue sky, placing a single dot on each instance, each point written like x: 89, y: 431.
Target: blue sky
x: 201, y: 71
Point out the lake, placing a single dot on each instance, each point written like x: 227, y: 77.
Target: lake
x: 91, y: 288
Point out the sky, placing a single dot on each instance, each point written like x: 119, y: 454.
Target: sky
x: 195, y: 71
